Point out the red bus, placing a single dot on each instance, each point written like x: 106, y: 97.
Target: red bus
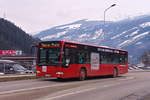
x: 63, y: 59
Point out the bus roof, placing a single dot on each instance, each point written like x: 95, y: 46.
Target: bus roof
x: 105, y: 47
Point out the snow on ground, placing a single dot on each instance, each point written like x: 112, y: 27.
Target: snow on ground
x: 114, y: 37
x: 67, y: 38
x: 134, y: 33
x: 74, y: 26
x: 140, y: 36
x: 138, y: 43
x: 119, y: 35
x: 134, y: 39
x: 137, y: 67
x: 57, y: 35
x: 145, y: 24
x: 83, y: 35
x: 97, y: 34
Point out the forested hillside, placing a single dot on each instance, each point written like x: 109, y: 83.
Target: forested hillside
x: 14, y: 38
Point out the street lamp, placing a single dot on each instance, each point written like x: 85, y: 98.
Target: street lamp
x: 106, y: 10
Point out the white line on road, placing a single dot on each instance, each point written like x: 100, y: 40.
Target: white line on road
x: 28, y: 89
x: 20, y: 90
x: 86, y: 90
x: 75, y: 92
x: 110, y: 85
x: 78, y: 91
x: 63, y: 84
x: 128, y: 78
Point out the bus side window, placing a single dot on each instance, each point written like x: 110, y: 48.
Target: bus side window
x: 70, y: 55
x: 66, y: 52
x: 66, y: 58
x: 115, y: 59
x: 122, y: 59
x: 125, y: 58
x: 103, y: 58
x: 83, y: 57
x: 109, y: 58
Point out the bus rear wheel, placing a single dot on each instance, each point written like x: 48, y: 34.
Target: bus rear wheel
x: 82, y: 75
x: 115, y: 73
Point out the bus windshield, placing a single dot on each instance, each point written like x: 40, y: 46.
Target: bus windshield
x: 49, y: 56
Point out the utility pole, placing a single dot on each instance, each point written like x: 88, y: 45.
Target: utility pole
x: 106, y: 11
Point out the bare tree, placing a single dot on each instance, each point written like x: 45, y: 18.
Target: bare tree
x: 145, y: 58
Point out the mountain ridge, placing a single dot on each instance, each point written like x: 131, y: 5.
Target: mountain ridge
x: 132, y: 35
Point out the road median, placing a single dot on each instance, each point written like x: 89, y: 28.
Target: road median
x: 133, y: 71
x: 13, y: 77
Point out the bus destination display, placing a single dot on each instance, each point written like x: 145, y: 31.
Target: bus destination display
x: 49, y: 44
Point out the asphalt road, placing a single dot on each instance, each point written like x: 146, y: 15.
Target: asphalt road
x: 131, y: 86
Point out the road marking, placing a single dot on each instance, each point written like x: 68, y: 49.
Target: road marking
x: 75, y: 92
x: 28, y: 89
x: 21, y: 90
x: 110, y: 85
x: 128, y: 78
x: 63, y: 84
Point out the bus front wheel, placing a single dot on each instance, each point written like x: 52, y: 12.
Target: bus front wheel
x: 82, y: 75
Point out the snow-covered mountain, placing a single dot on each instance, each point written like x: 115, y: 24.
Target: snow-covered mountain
x: 129, y: 34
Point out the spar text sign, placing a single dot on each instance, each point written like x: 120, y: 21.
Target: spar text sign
x: 10, y: 52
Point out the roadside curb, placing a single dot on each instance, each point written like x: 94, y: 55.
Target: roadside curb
x: 142, y: 95
x: 12, y: 77
x: 146, y: 97
x: 134, y: 71
x: 4, y: 78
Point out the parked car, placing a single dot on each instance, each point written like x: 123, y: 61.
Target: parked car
x: 11, y: 67
x: 20, y: 69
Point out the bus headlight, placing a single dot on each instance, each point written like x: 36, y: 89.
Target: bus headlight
x: 60, y: 73
x: 38, y: 72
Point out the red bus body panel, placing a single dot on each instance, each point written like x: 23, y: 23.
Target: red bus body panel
x: 73, y: 70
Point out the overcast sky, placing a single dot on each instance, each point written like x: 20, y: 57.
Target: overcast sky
x: 36, y: 15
